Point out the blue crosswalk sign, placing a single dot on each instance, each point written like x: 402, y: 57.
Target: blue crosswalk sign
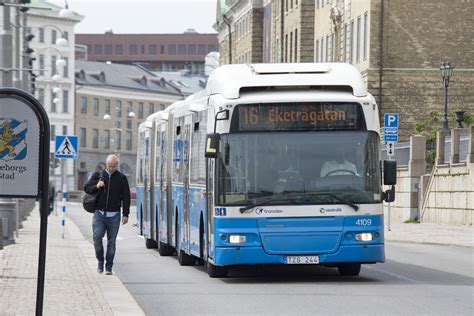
x: 66, y: 146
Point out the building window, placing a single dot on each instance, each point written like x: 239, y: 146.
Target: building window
x: 129, y: 107
x: 119, y: 49
x: 98, y: 49
x: 345, y: 44
x: 95, y: 138
x: 65, y: 35
x: 83, y: 105
x: 52, y: 132
x: 211, y: 48
x: 322, y: 49
x: 327, y: 48
x: 53, y: 105
x: 65, y: 101
x: 296, y: 45
x: 143, y: 49
x: 118, y: 108
x: 129, y: 124
x: 286, y: 5
x: 192, y: 49
x: 140, y: 110
x: 162, y: 49
x: 151, y: 109
x: 109, y: 50
x: 286, y: 47
x: 201, y: 49
x: 53, y: 65
x: 365, y: 36
x: 66, y: 68
x: 316, y: 49
x: 133, y: 49
x: 41, y: 96
x: 333, y: 47
x: 96, y: 106
x: 107, y: 139
x: 41, y: 35
x: 181, y: 49
x: 54, y: 36
x: 351, y: 43
x: 291, y: 47
x: 41, y: 65
x: 118, y: 141
x: 107, y: 106
x: 171, y: 49
x: 129, y: 140
x: 64, y: 129
x: 358, y: 41
x: 162, y: 107
x: 152, y: 50
x: 83, y: 137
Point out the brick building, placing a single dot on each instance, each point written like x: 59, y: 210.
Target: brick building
x: 401, y: 71
x: 116, y: 90
x: 158, y: 52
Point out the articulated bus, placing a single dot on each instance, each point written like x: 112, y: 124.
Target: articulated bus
x: 270, y: 164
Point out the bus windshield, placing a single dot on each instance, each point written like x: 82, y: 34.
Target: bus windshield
x: 252, y: 167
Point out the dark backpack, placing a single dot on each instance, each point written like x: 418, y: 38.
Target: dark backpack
x: 89, y: 201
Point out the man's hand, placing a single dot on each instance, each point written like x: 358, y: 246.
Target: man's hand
x: 100, y: 184
x: 124, y: 220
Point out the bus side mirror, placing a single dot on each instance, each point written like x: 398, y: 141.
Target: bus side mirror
x: 389, y: 172
x: 212, y: 145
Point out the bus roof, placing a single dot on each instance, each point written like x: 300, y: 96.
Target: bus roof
x: 228, y: 80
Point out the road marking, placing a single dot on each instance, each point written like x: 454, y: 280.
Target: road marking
x: 394, y: 275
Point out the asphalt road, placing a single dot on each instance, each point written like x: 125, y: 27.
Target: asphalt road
x: 416, y: 279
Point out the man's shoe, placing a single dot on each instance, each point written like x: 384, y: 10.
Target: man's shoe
x: 108, y: 271
x: 100, y: 268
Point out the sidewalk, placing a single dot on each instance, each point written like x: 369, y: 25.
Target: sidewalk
x: 427, y: 233
x: 72, y: 285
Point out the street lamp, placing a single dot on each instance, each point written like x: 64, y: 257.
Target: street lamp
x: 446, y: 70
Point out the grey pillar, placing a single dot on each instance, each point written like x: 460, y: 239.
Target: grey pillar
x: 416, y: 168
x: 440, y: 145
x: 6, y: 49
x: 470, y: 148
x: 455, y: 139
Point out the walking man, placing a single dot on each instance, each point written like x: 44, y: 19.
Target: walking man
x: 113, y: 193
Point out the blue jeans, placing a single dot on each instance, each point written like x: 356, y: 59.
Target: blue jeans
x: 101, y: 225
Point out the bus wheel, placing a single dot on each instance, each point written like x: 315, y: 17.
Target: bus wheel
x: 349, y: 269
x: 165, y: 250
x: 184, y: 259
x: 217, y: 271
x: 151, y: 244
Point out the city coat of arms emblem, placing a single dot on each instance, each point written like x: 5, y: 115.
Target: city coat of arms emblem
x: 13, y: 139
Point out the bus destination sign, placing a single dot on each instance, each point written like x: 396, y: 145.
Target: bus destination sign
x: 298, y: 116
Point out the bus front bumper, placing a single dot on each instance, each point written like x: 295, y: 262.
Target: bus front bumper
x: 367, y: 253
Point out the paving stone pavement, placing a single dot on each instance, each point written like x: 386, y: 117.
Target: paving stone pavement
x: 72, y: 286
x: 429, y: 233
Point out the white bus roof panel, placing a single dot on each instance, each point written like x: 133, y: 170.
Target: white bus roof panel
x: 228, y: 80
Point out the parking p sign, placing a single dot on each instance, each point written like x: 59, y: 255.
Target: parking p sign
x: 391, y: 120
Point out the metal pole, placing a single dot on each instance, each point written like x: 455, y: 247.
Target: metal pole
x: 64, y: 195
x: 17, y: 210
x: 445, y: 122
x: 25, y: 77
x: 389, y: 229
x: 6, y: 47
x: 17, y: 78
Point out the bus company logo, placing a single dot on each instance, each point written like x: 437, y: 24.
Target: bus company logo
x: 323, y: 210
x: 220, y: 211
x: 260, y: 211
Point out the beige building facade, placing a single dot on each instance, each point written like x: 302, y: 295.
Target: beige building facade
x: 104, y: 121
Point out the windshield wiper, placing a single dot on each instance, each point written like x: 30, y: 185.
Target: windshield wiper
x: 293, y: 195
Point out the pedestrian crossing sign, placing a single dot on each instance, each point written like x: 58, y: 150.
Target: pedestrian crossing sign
x: 66, y: 146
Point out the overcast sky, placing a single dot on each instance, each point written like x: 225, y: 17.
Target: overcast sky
x: 143, y: 16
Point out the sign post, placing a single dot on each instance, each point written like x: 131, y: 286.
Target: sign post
x: 24, y: 161
x: 391, y: 138
x: 65, y: 148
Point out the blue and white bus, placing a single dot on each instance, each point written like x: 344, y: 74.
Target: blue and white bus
x: 270, y: 164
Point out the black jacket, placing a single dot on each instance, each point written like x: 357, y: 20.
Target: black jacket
x: 114, y: 195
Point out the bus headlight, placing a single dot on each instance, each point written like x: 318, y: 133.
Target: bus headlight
x: 237, y: 239
x: 364, y: 237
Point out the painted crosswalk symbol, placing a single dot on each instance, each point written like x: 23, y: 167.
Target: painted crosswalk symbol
x: 66, y: 146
